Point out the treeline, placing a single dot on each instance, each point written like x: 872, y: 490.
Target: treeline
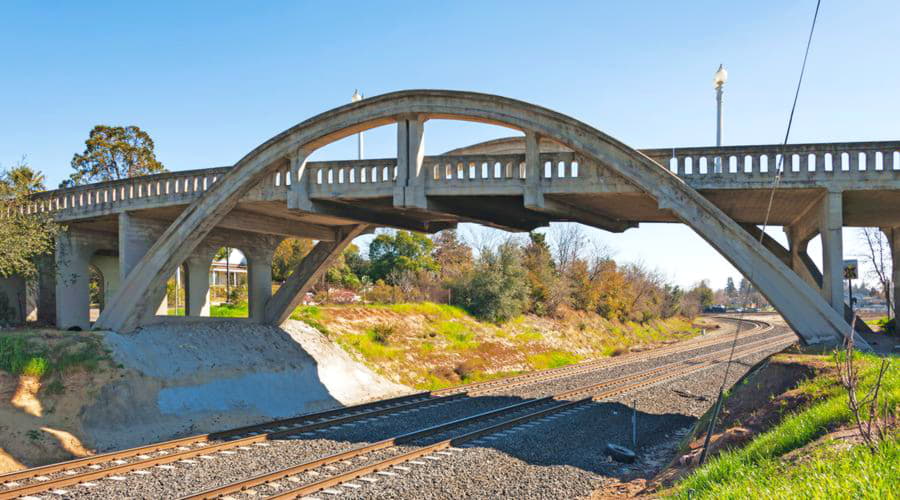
x: 502, y: 281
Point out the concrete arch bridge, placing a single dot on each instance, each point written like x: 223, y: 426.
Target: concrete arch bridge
x: 560, y: 169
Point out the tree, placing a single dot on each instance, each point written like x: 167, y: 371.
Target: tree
x: 113, y: 153
x: 543, y: 280
x: 400, y: 252
x: 878, y: 256
x: 452, y: 256
x: 496, y: 289
x: 730, y: 290
x: 287, y: 256
x: 24, y: 237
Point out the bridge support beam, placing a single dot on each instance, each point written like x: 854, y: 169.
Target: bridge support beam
x: 800, y: 261
x: 289, y: 296
x: 409, y: 188
x: 831, y: 224
x: 259, y: 281
x: 893, y: 236
x: 197, y: 283
x: 136, y: 236
x: 74, y: 249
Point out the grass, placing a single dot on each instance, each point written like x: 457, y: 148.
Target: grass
x: 226, y: 310
x: 442, y: 312
x: 312, y: 316
x: 369, y: 345
x: 529, y: 335
x: 757, y: 470
x: 552, y: 359
x: 22, y: 354
x: 458, y: 334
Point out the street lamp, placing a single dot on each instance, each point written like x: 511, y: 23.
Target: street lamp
x: 719, y: 80
x: 359, y: 137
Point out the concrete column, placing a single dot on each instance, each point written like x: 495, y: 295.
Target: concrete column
x: 298, y: 191
x: 533, y: 196
x: 136, y: 236
x: 893, y: 235
x: 259, y: 283
x: 800, y: 261
x: 197, y: 283
x: 409, y: 190
x: 831, y: 223
x: 73, y: 256
x: 46, y: 284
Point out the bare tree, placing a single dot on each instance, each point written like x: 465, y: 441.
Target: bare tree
x: 569, y: 241
x: 874, y: 418
x: 878, y: 255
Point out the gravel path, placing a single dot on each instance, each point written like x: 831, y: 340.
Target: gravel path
x: 527, y: 459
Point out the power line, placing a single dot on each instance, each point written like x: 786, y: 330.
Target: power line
x: 745, y: 299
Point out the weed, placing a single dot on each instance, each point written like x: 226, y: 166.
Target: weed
x: 552, y: 359
x: 312, y: 316
x: 457, y: 334
x: 381, y: 333
x: 367, y: 347
x: 529, y: 335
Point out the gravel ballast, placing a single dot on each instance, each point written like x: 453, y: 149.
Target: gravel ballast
x: 538, y: 461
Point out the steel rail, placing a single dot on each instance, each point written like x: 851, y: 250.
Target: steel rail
x: 313, y: 421
x: 266, y: 431
x: 687, y: 366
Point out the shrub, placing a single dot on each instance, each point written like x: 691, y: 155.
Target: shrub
x: 497, y: 289
x: 381, y: 333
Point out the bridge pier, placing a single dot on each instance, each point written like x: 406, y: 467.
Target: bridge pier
x: 893, y: 235
x: 831, y: 225
x: 75, y: 249
x: 197, y: 282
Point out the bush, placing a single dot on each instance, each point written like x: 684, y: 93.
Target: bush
x: 496, y: 289
x: 381, y: 333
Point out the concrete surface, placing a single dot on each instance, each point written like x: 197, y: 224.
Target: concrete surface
x: 219, y: 374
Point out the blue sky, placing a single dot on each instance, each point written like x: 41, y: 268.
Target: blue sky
x: 211, y: 80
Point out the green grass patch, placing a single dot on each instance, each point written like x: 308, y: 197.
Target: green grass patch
x: 312, y: 316
x: 368, y: 346
x: 458, y: 334
x: 529, y: 335
x: 21, y: 355
x: 426, y: 347
x: 442, y: 312
x: 552, y: 359
x: 229, y: 311
x: 757, y: 470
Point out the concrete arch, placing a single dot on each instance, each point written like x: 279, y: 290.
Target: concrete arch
x: 803, y: 308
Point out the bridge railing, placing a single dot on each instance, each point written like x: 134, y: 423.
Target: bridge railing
x: 174, y: 186
x: 854, y: 160
x: 796, y: 159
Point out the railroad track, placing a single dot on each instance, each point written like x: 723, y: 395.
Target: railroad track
x: 287, y: 483
x: 135, y: 459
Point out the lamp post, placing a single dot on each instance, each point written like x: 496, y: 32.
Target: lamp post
x: 719, y: 80
x: 359, y: 137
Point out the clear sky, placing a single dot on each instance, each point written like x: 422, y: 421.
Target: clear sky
x: 211, y: 80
